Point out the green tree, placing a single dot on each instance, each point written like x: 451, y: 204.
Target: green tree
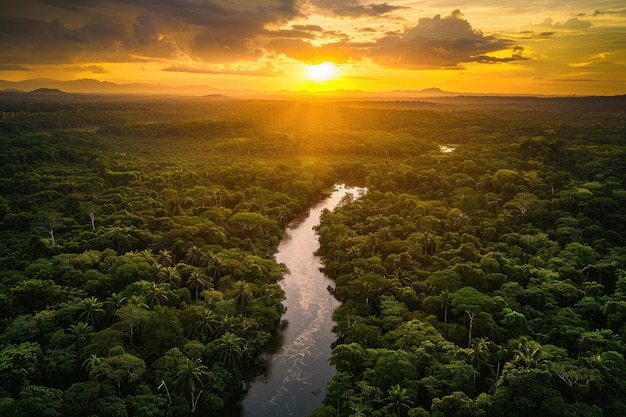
x: 166, y: 258
x: 155, y: 295
x: 446, y: 298
x: 457, y: 404
x: 91, y: 362
x: 91, y: 311
x: 19, y: 364
x: 398, y: 400
x: 36, y: 400
x: 195, y: 256
x: 479, y: 354
x: 206, y: 324
x: 49, y: 223
x: 197, y: 283
x: 228, y: 350
x: 79, y: 396
x: 113, y: 303
x: 169, y: 275
x: 216, y: 266
x: 123, y: 368
x: 191, y: 378
x: 79, y: 333
x: 242, y: 294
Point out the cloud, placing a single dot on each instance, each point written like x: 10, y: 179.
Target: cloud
x: 308, y: 28
x: 439, y: 43
x: 301, y: 50
x: 213, y: 31
x: 267, y: 71
x: 96, y: 69
x: 13, y: 67
x: 353, y: 8
x: 570, y: 24
x: 35, y: 41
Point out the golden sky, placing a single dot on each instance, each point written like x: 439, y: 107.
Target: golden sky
x: 505, y: 47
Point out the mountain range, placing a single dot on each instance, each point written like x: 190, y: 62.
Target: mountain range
x: 91, y: 86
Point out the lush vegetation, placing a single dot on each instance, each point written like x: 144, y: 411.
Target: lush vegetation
x: 137, y: 242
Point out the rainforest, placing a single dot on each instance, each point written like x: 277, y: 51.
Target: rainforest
x: 482, y: 274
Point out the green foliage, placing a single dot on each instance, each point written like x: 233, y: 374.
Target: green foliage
x: 137, y: 244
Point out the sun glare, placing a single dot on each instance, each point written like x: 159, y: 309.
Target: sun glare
x: 321, y: 72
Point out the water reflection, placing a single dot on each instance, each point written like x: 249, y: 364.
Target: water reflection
x: 298, y: 369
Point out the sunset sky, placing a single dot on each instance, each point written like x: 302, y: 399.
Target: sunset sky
x: 505, y: 47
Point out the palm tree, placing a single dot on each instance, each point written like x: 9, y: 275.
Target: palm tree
x: 500, y: 356
x: 156, y: 294
x: 403, y: 276
x: 429, y: 245
x: 191, y: 377
x: 194, y: 255
x: 242, y: 294
x: 197, y: 283
x: 148, y: 256
x: 398, y: 400
x: 92, y: 310
x: 462, y: 220
x: 79, y: 332
x: 479, y: 354
x: 529, y: 353
x: 113, y: 303
x: 91, y: 362
x: 216, y: 266
x: 446, y: 299
x: 206, y: 324
x: 138, y: 300
x: 228, y: 324
x: 166, y: 258
x: 169, y: 275
x: 229, y: 350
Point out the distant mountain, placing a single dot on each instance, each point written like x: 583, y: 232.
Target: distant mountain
x: 48, y: 91
x: 91, y: 86
x: 53, y: 89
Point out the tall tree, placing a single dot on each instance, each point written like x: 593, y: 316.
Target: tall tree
x: 191, y: 378
x: 398, y: 400
x: 91, y: 311
x: 242, y: 294
x: 196, y: 283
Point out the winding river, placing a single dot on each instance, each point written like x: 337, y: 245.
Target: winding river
x: 298, y: 368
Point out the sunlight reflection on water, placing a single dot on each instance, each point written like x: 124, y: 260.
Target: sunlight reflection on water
x: 299, y: 371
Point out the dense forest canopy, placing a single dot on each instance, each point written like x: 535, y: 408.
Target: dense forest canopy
x: 137, y: 241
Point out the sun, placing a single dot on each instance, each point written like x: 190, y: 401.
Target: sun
x: 321, y: 72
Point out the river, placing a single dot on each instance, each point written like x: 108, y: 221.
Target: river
x: 298, y: 368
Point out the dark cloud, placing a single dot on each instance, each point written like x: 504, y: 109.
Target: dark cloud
x: 621, y: 12
x: 225, y: 31
x: 13, y: 67
x: 210, y: 30
x: 354, y: 8
x: 35, y: 41
x: 438, y: 43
